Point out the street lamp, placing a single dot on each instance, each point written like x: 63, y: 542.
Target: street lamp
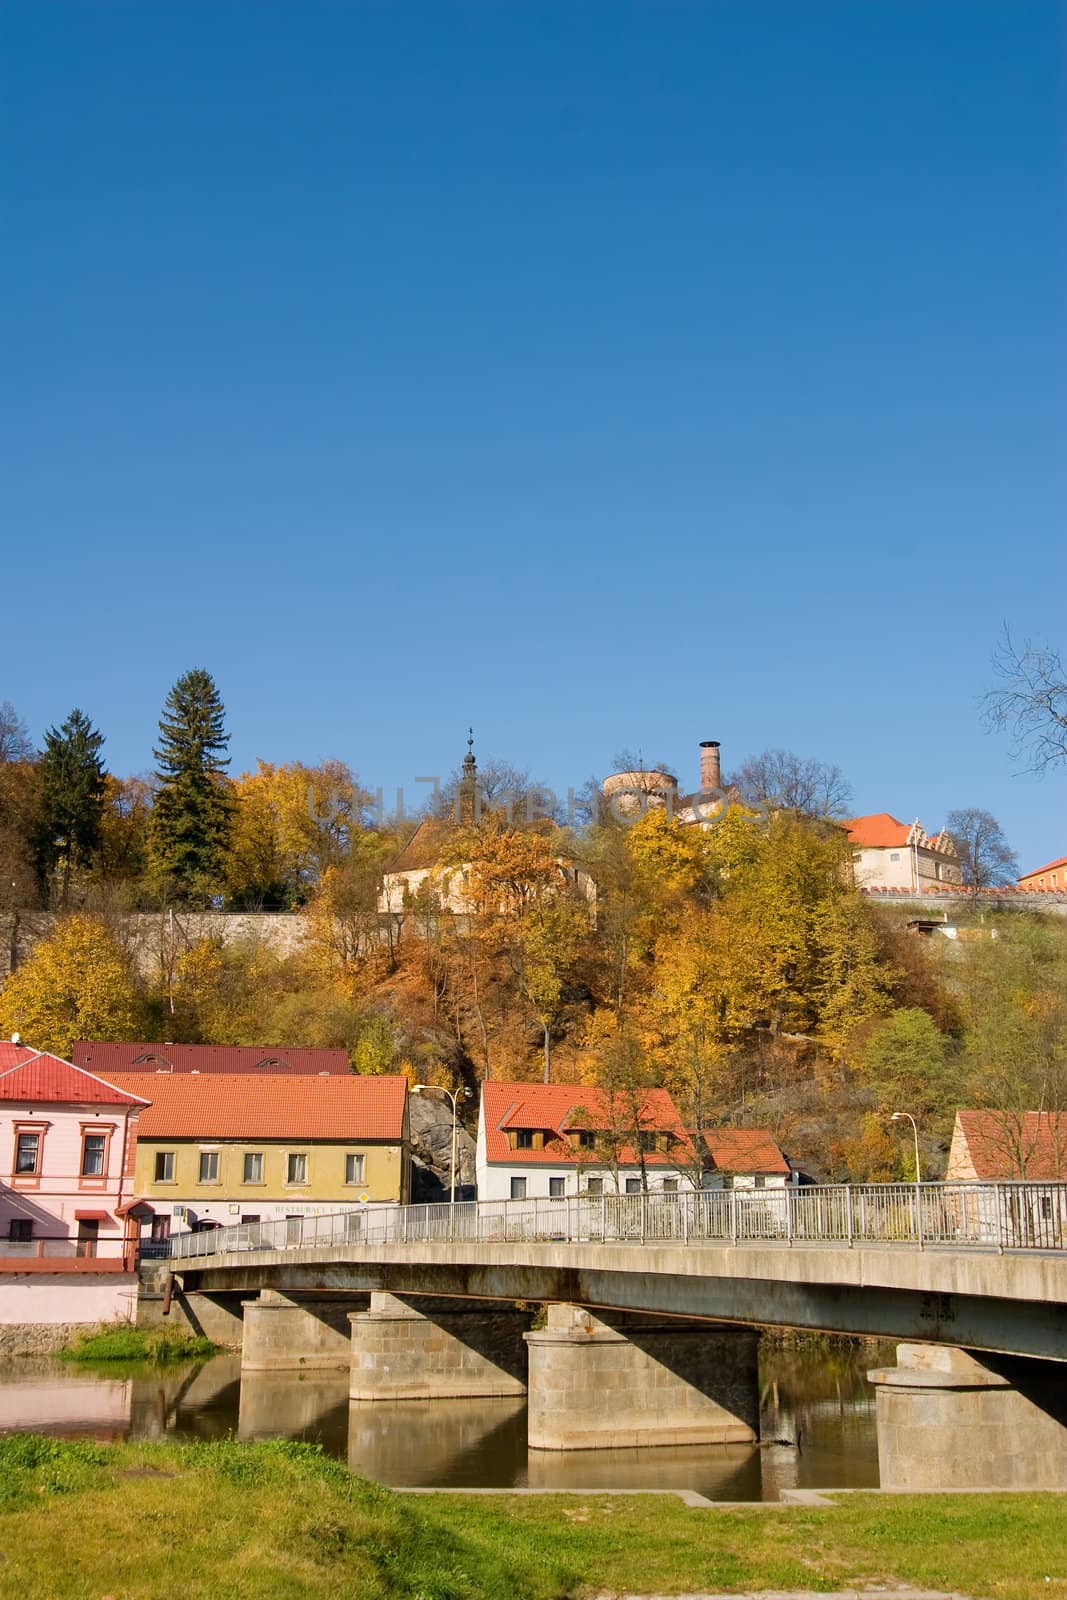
x: 454, y: 1096
x: 906, y: 1116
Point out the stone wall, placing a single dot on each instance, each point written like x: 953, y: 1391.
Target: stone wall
x: 36, y: 1338
x: 613, y: 1381
x: 155, y: 939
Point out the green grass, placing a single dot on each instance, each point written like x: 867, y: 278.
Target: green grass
x: 121, y: 1343
x: 279, y: 1521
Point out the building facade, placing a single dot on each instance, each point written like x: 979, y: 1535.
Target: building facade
x: 888, y: 854
x: 548, y: 1141
x: 222, y: 1148
x: 67, y: 1141
x: 1051, y: 876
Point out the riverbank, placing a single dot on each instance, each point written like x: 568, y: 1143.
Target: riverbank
x: 280, y: 1521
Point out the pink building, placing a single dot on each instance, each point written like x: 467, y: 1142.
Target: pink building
x: 67, y: 1141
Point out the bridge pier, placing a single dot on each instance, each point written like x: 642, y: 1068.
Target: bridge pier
x: 284, y: 1333
x: 949, y: 1420
x: 603, y: 1382
x: 430, y: 1348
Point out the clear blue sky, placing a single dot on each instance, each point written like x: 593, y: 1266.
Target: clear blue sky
x: 599, y: 374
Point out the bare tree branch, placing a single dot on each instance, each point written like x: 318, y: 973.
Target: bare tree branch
x: 1031, y: 703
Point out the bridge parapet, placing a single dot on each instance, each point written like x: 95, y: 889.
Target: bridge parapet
x: 1004, y: 1217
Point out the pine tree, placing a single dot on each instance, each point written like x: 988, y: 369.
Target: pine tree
x: 191, y: 814
x: 72, y: 801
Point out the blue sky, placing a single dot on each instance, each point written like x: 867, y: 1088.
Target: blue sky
x: 598, y: 374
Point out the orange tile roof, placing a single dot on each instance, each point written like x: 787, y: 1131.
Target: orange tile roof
x: 47, y: 1079
x: 128, y: 1056
x: 556, y: 1107
x: 236, y: 1105
x: 1004, y: 1144
x: 425, y: 846
x: 745, y: 1150
x: 879, y: 831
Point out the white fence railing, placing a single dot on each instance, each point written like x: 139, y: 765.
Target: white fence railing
x: 988, y: 1216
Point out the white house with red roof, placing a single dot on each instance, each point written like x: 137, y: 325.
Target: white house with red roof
x: 546, y: 1141
x: 69, y: 1213
x: 889, y: 854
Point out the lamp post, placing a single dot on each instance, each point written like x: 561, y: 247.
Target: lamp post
x: 454, y: 1096
x: 906, y: 1116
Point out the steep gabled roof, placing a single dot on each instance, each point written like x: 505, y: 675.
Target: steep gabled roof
x: 1004, y: 1144
x: 425, y: 846
x: 48, y: 1080
x: 879, y: 831
x: 12, y: 1055
x: 128, y: 1056
x: 241, y: 1105
x: 745, y: 1150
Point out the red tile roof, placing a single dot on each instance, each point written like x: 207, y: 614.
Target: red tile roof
x: 12, y: 1055
x: 46, y: 1079
x: 745, y: 1150
x: 556, y: 1107
x: 425, y: 847
x: 1003, y: 1145
x: 237, y: 1105
x: 127, y: 1056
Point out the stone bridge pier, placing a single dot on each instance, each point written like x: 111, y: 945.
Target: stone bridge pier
x: 616, y: 1380
x: 427, y: 1347
x: 285, y: 1332
x: 949, y: 1419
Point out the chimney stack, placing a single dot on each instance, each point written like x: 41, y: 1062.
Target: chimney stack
x: 710, y: 772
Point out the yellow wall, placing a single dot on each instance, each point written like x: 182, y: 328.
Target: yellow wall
x: 385, y: 1171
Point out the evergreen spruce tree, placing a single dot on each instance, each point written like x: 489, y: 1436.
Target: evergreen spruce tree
x: 72, y: 802
x: 192, y: 809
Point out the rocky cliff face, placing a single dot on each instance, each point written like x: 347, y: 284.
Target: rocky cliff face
x: 431, y: 1147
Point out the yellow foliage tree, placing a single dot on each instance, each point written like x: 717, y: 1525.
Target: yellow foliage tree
x: 77, y: 984
x: 290, y: 823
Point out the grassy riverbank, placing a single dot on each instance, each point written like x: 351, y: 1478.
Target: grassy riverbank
x: 120, y: 1343
x: 281, y: 1522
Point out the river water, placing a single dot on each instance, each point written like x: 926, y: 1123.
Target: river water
x: 817, y: 1425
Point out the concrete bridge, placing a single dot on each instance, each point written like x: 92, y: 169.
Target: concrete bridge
x: 653, y: 1302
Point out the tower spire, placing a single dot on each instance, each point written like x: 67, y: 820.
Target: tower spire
x: 468, y: 789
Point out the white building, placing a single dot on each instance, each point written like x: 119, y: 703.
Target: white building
x: 898, y: 855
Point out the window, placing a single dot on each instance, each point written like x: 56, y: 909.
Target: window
x: 555, y: 1188
x: 254, y: 1167
x: 633, y: 1186
x: 670, y: 1186
x: 297, y: 1169
x: 760, y: 1181
x: 27, y: 1152
x: 164, y: 1166
x: 93, y: 1147
x: 894, y: 855
x: 209, y: 1166
x: 518, y: 1188
x: 354, y: 1165
x: 595, y: 1186
x: 587, y: 1139
x: 524, y: 1139
x: 20, y: 1230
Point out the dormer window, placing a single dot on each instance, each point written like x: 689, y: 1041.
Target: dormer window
x: 524, y: 1139
x: 586, y: 1139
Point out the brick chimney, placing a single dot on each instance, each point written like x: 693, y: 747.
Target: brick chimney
x: 710, y: 772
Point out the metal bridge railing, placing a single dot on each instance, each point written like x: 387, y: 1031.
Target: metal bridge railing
x: 986, y: 1216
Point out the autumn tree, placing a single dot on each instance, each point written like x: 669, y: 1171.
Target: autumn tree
x: 548, y: 945
x: 192, y: 811
x: 125, y: 820
x: 290, y: 824
x: 986, y: 858
x: 905, y: 1060
x: 76, y: 984
x: 71, y: 776
x: 20, y: 813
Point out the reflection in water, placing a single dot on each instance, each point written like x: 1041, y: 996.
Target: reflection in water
x: 817, y: 1425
